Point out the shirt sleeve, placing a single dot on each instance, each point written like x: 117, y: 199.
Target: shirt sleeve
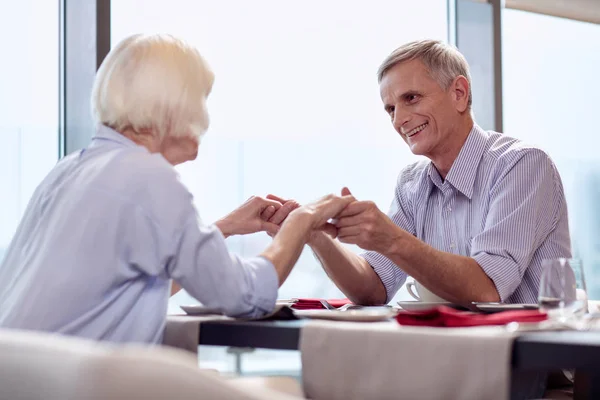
x: 167, y: 239
x: 390, y: 274
x: 524, y: 208
x: 205, y: 269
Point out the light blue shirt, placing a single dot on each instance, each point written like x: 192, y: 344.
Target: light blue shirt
x: 102, y: 237
x: 502, y: 203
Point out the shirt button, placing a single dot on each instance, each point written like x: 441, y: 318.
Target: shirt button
x: 452, y: 245
x: 449, y: 209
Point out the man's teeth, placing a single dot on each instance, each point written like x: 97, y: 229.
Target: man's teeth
x: 416, y: 130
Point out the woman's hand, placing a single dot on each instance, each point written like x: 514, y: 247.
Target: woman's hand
x: 321, y: 211
x: 255, y: 215
x: 297, y: 228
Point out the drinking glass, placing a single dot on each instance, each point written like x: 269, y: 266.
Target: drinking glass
x: 562, y: 292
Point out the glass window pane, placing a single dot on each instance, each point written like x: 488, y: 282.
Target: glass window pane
x: 28, y: 105
x: 295, y: 109
x: 551, y: 99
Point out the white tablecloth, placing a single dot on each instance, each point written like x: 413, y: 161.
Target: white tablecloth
x: 343, y: 360
x: 183, y: 331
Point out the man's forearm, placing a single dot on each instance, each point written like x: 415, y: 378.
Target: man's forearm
x: 350, y: 272
x: 456, y: 278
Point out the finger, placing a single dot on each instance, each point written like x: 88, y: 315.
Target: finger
x: 354, y: 208
x: 346, y: 191
x: 268, y: 213
x: 283, y: 212
x: 264, y: 203
x: 329, y: 229
x: 349, y: 231
x: 276, y: 198
x: 342, y: 222
x: 270, y: 228
x: 331, y: 207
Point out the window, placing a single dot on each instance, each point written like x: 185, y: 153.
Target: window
x: 295, y: 109
x: 28, y: 105
x: 551, y: 98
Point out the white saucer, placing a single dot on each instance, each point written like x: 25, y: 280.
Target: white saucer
x: 349, y: 315
x: 198, y: 309
x: 422, y: 305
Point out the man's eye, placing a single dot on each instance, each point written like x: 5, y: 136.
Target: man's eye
x: 390, y: 111
x: 411, y: 98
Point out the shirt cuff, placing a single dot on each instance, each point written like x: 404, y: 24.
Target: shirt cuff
x: 391, y: 276
x: 266, y: 284
x: 504, y: 273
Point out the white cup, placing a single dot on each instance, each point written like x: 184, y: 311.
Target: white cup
x: 420, y: 293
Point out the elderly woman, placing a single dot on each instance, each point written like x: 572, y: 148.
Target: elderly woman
x: 111, y: 225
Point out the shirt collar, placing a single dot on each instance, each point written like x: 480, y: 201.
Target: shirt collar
x: 105, y: 133
x: 464, y: 169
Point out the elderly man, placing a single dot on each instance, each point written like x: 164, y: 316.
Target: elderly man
x: 111, y: 225
x: 471, y: 223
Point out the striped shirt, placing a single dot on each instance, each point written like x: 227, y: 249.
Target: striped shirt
x: 502, y: 203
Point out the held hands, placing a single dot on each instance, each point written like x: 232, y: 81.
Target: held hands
x: 363, y: 224
x: 354, y: 222
x: 255, y: 215
x: 318, y: 212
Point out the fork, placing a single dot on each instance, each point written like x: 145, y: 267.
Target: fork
x: 330, y: 307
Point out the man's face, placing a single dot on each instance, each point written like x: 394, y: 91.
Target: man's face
x: 421, y: 111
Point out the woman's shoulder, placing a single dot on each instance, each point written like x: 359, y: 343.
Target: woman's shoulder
x: 150, y: 182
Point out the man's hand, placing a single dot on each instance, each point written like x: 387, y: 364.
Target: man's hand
x: 363, y: 224
x: 255, y: 215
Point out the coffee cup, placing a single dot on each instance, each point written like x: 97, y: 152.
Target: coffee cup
x: 420, y: 293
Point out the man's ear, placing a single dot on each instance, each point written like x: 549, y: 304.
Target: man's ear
x: 460, y: 90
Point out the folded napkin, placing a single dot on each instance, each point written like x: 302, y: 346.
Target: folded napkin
x: 446, y: 316
x: 316, y: 304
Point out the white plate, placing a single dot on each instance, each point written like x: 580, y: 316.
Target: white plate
x: 496, y: 307
x: 349, y: 315
x: 198, y: 309
x: 288, y: 303
x: 422, y: 305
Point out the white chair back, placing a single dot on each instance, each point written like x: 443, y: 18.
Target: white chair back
x: 35, y: 366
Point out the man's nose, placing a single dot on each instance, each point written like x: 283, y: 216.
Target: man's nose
x: 400, y: 118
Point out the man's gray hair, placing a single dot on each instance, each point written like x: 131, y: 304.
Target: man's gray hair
x: 443, y: 61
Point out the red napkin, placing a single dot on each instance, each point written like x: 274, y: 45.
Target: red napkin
x: 315, y: 304
x: 449, y: 317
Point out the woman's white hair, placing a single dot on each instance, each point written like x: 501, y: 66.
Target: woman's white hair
x: 154, y: 83
x: 443, y: 61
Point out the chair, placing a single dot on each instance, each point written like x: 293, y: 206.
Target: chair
x: 39, y: 366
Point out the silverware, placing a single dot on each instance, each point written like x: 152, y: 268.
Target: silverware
x: 328, y: 306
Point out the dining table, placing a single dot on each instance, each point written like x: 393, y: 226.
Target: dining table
x: 536, y: 351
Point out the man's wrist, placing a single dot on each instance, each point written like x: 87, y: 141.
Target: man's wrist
x: 397, y: 243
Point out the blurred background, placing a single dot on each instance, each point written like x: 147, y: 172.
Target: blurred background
x: 295, y: 108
